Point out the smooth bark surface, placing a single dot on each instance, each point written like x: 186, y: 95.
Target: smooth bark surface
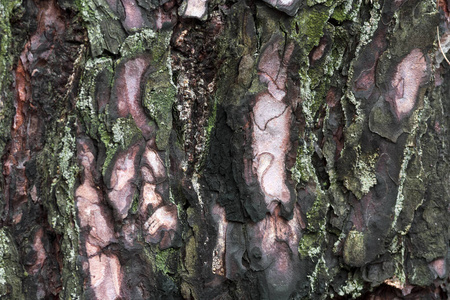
x: 292, y: 149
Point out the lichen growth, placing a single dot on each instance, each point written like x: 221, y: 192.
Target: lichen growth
x: 307, y: 26
x: 146, y: 40
x: 397, y: 249
x: 364, y: 174
x: 353, y: 286
x: 160, y: 91
x: 310, y: 245
x: 7, y: 8
x: 58, y: 170
x: 11, y: 271
x: 102, y: 25
x: 412, y: 147
x: 316, y: 278
x: 114, y: 133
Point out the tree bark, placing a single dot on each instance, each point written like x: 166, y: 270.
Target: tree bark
x: 224, y: 149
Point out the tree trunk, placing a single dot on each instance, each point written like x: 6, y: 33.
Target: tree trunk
x: 224, y: 149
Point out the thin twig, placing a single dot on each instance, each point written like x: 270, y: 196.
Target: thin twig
x: 440, y: 47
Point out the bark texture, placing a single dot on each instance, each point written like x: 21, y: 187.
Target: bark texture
x: 195, y: 149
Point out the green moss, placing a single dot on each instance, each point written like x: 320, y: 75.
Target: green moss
x: 190, y: 261
x: 162, y: 260
x: 307, y: 26
x: 340, y: 14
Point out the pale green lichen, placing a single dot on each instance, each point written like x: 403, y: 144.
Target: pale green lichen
x: 94, y: 14
x: 159, y: 96
x: 58, y: 159
x: 7, y: 8
x: 209, y: 129
x: 137, y: 43
x: 122, y: 134
x: 320, y: 269
x: 66, y: 153
x: 411, y: 147
x: 397, y: 249
x: 10, y: 269
x: 303, y: 169
x: 369, y: 27
x: 94, y: 121
x: 364, y: 174
x: 353, y: 286
x: 114, y: 134
x: 310, y: 245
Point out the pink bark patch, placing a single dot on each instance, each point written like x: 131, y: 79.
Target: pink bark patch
x: 129, y: 233
x: 271, y: 120
x: 128, y: 90
x: 365, y: 80
x: 133, y: 15
x: 38, y: 246
x: 163, y: 18
x: 318, y: 51
x: 106, y: 276
x: 49, y: 17
x: 218, y: 264
x: 274, y: 242
x: 196, y: 8
x: 273, y: 70
x: 123, y: 188
x: 439, y: 266
x: 161, y: 225
x: 288, y: 6
x: 104, y: 270
x: 152, y: 159
x: 268, y: 109
x: 285, y: 2
x: 91, y: 212
x: 164, y: 218
x: 94, y: 217
x: 411, y: 73
x: 149, y: 197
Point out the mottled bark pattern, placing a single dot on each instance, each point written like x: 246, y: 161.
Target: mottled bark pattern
x: 196, y: 149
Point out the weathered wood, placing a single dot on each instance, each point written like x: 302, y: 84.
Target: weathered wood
x: 224, y: 149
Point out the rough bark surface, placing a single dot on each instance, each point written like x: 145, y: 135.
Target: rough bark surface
x: 196, y: 149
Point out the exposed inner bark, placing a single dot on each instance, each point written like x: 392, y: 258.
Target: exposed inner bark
x: 224, y: 150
